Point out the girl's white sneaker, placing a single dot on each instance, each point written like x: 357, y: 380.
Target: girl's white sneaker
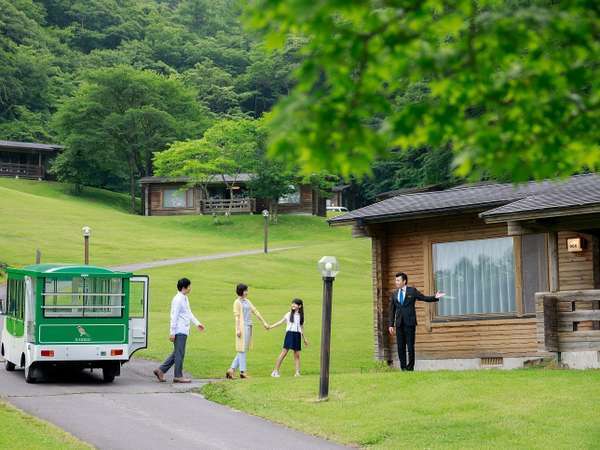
x: 297, y: 374
x: 275, y: 374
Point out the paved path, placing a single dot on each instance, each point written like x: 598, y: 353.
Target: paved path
x: 138, y: 412
x: 173, y: 261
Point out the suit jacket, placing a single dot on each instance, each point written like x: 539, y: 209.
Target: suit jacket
x: 405, y: 314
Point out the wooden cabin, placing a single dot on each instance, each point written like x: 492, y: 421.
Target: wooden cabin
x: 26, y: 159
x: 520, y: 266
x: 163, y: 196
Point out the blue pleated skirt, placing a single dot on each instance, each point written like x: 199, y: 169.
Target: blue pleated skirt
x: 293, y: 341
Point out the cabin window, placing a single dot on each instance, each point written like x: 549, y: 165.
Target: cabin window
x: 292, y: 197
x: 16, y: 299
x: 478, y: 276
x: 178, y: 198
x: 83, y: 297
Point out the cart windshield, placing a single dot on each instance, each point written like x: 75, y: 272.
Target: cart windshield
x: 83, y: 297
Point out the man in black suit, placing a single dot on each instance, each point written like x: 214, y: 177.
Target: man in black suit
x: 403, y: 318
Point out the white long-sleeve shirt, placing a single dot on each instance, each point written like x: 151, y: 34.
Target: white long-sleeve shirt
x: 181, y: 315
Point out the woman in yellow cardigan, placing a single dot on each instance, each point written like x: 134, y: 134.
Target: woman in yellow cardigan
x: 242, y: 312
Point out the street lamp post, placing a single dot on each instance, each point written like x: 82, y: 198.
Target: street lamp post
x: 86, y: 244
x: 265, y: 214
x: 329, y: 268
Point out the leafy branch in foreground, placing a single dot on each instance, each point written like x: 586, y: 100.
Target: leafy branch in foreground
x: 512, y: 86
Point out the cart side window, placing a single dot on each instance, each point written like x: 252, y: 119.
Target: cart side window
x: 136, y: 299
x: 16, y: 298
x: 83, y: 297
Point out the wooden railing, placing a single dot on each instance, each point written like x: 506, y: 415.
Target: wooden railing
x: 568, y: 320
x: 242, y: 205
x: 21, y: 170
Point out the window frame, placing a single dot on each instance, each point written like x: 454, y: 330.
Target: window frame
x: 15, y: 306
x: 186, y: 197
x: 432, y: 316
x: 297, y: 191
x: 82, y: 307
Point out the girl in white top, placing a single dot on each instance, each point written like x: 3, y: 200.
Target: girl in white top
x: 294, y: 320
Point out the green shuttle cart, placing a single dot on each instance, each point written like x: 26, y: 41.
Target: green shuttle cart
x: 77, y: 316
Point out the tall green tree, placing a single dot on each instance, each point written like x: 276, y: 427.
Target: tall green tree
x: 226, y: 150
x: 271, y: 178
x: 268, y: 78
x: 118, y: 118
x: 193, y: 159
x: 512, y: 85
x: 31, y: 71
x: 215, y: 87
x: 413, y: 168
x: 235, y: 143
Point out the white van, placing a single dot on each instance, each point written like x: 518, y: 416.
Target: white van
x: 337, y: 209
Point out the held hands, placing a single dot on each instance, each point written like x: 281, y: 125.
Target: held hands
x: 267, y: 326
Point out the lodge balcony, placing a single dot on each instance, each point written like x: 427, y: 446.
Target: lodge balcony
x: 235, y: 206
x: 21, y: 170
x: 568, y: 321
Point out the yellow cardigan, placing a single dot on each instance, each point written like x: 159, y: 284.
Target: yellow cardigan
x: 240, y: 325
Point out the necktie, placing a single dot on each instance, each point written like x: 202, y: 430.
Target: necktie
x: 401, y: 296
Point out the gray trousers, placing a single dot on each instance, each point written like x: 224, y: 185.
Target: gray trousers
x: 176, y: 357
x: 240, y: 357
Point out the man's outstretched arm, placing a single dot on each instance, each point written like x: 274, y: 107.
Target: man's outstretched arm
x: 428, y: 298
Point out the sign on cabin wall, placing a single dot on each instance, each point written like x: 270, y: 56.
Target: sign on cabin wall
x: 576, y: 244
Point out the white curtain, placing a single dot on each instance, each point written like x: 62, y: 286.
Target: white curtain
x: 478, y: 276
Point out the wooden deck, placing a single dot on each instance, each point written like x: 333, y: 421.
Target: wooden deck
x: 244, y: 205
x: 21, y: 170
x: 568, y: 320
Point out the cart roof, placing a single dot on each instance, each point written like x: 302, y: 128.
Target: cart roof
x: 71, y: 269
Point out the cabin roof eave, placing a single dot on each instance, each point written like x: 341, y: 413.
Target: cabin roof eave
x: 541, y: 214
x: 401, y: 217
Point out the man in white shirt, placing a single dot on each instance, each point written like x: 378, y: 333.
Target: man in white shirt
x: 181, y: 316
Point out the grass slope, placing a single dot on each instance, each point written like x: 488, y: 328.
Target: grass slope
x: 46, y: 216
x: 274, y: 280
x: 22, y: 431
x: 379, y: 409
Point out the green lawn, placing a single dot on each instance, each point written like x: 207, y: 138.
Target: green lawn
x: 529, y: 409
x: 47, y: 216
x: 368, y: 406
x: 274, y: 280
x: 21, y: 431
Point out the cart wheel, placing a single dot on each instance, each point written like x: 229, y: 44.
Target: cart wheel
x: 108, y: 374
x: 29, y: 371
x: 10, y: 367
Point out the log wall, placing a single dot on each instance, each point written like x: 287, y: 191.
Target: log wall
x: 406, y: 247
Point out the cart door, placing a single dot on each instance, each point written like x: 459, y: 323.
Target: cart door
x: 29, y: 314
x: 138, y: 313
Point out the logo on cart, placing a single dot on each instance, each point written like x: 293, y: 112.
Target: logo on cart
x: 83, y: 335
